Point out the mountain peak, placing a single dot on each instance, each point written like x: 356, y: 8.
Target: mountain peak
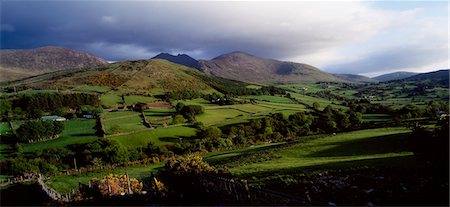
x: 245, y: 67
x: 181, y: 59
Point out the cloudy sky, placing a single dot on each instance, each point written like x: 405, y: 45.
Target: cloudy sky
x: 359, y: 37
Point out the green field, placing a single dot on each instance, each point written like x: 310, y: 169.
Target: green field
x: 129, y: 100
x: 122, y: 121
x: 215, y: 116
x: 247, y: 108
x: 310, y: 100
x: 159, y: 116
x: 302, y: 88
x: 342, y: 148
x: 158, y: 136
x: 76, y: 131
x: 215, y: 156
x: 198, y: 101
x: 65, y: 183
x: 110, y: 100
x: 267, y: 98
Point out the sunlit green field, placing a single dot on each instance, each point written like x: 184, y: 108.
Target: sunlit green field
x: 75, y: 132
x: 212, y: 116
x: 198, y: 101
x: 122, y: 121
x: 110, y: 100
x: 352, y: 146
x: 158, y: 136
x: 274, y: 99
x: 310, y: 100
x: 129, y: 100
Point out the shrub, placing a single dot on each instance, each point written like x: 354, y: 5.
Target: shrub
x: 117, y: 185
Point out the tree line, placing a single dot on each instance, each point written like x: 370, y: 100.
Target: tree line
x: 34, y: 105
x: 36, y: 130
x: 276, y: 128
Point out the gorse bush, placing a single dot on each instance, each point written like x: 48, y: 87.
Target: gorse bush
x: 117, y: 184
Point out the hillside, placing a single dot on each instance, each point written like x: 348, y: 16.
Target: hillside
x: 356, y: 78
x: 394, y: 76
x: 154, y: 75
x: 181, y: 59
x: 16, y: 64
x: 436, y: 77
x: 248, y: 68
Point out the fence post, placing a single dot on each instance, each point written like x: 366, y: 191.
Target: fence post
x: 129, y: 184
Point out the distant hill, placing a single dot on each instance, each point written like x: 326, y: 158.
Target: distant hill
x: 155, y: 76
x: 356, y: 78
x: 440, y: 77
x: 248, y: 68
x: 394, y: 76
x: 16, y: 64
x: 181, y: 59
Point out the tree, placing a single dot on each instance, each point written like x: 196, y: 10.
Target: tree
x: 178, y: 119
x: 211, y: 133
x: 355, y: 118
x: 35, y: 114
x: 316, y: 106
x: 116, y: 152
x: 189, y: 164
x: 5, y: 107
x: 341, y: 119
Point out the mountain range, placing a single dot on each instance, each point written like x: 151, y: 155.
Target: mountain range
x: 440, y: 77
x: 154, y: 72
x: 16, y: 64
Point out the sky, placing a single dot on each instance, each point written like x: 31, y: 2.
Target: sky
x: 357, y: 37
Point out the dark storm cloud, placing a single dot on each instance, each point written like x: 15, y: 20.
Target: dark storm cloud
x: 121, y: 30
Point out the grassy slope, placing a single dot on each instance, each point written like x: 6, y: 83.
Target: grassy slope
x: 352, y: 146
x: 158, y: 136
x: 127, y: 121
x: 213, y: 116
x: 274, y: 99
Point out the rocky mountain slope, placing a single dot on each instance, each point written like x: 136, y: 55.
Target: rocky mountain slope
x: 16, y: 64
x: 248, y: 68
